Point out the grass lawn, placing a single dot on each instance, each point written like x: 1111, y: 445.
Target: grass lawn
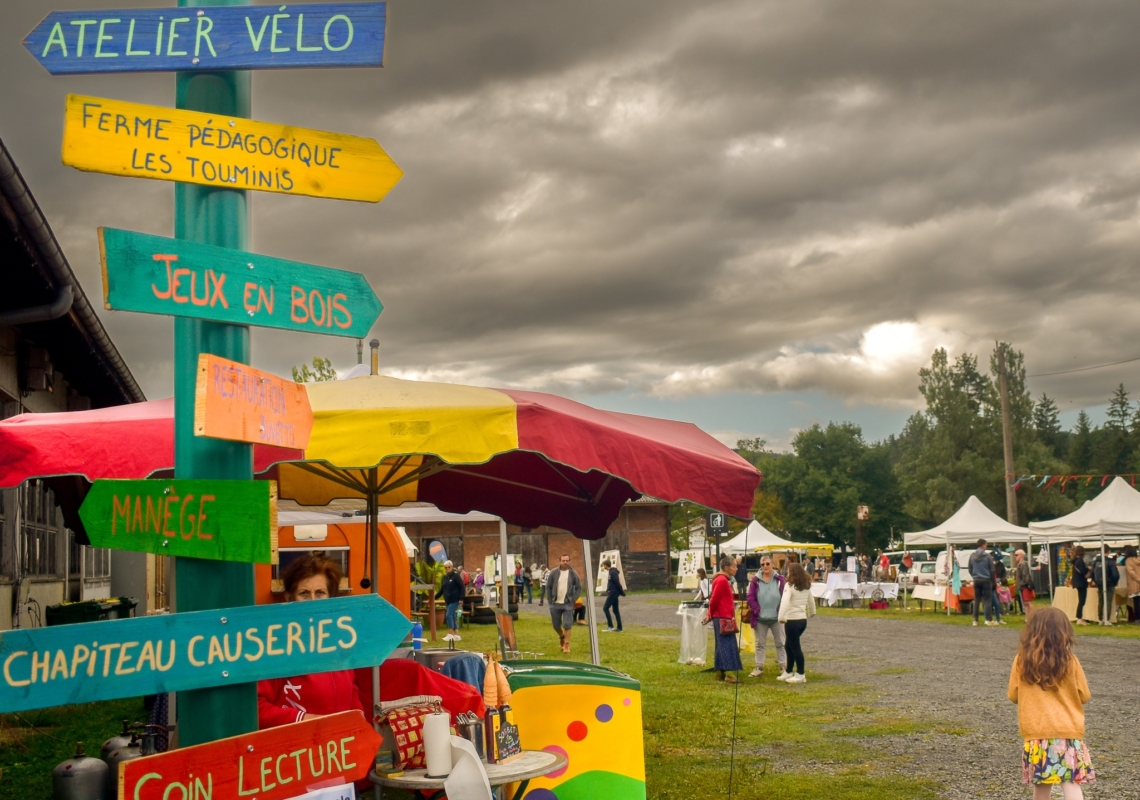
x: 810, y: 742
x: 32, y: 743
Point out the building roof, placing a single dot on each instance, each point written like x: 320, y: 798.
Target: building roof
x: 35, y: 272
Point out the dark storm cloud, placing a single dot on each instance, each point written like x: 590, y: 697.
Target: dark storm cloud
x: 679, y: 198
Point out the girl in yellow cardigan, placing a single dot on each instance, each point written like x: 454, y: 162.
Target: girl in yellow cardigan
x: 1050, y: 690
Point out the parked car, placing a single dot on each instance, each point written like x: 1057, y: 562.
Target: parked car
x: 922, y: 573
x: 896, y: 556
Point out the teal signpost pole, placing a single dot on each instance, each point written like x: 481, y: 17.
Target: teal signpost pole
x: 219, y: 217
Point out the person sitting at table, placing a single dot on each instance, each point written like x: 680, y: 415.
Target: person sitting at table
x: 281, y: 701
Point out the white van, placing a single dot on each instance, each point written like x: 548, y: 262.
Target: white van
x: 942, y: 572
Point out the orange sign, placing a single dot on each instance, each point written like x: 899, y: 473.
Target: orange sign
x: 235, y: 401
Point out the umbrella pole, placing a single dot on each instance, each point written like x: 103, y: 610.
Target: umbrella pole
x: 950, y: 575
x: 1104, y: 601
x: 504, y: 594
x: 374, y: 572
x: 591, y: 612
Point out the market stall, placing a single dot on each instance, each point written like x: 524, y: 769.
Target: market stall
x: 971, y: 522
x: 1111, y: 516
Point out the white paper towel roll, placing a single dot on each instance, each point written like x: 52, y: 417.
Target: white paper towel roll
x: 437, y: 745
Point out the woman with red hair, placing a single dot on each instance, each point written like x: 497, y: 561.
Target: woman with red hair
x: 284, y: 700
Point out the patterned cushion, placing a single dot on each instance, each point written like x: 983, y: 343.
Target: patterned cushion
x: 407, y: 724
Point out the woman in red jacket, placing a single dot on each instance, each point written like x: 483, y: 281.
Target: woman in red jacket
x: 284, y: 700
x: 722, y: 614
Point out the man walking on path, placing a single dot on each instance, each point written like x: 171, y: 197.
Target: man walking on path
x: 562, y: 588
x: 452, y: 591
x: 614, y: 593
x: 982, y: 570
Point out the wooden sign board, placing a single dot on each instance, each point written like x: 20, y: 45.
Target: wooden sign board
x: 273, y: 764
x: 139, y: 141
x: 237, y: 402
x: 190, y: 40
x: 92, y: 661
x: 223, y: 520
x: 156, y: 275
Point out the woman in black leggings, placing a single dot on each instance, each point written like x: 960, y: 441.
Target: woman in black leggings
x: 796, y: 606
x: 1080, y: 581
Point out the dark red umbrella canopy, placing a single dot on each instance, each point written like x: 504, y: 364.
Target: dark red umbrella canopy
x: 574, y: 468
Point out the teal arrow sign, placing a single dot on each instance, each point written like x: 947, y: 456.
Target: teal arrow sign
x: 156, y: 275
x: 91, y: 661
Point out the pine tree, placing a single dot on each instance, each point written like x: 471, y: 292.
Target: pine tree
x: 1119, y: 410
x: 1080, y: 451
x: 1112, y: 455
x: 1047, y: 422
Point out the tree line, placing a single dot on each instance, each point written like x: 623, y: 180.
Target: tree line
x: 946, y: 452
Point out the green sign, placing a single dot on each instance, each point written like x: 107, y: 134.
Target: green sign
x: 156, y: 275
x: 223, y: 520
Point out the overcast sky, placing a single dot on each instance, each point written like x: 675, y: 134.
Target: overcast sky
x: 750, y: 215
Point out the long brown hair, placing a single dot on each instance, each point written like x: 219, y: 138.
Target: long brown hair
x: 798, y: 578
x: 1046, y: 650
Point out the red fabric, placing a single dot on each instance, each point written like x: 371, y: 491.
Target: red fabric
x: 404, y: 677
x: 284, y: 700
x: 131, y: 441
x: 722, y: 603
x: 575, y: 468
x: 665, y: 459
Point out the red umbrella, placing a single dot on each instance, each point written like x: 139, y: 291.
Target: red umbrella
x: 573, y: 466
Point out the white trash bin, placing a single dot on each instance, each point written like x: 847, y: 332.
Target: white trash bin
x: 694, y: 635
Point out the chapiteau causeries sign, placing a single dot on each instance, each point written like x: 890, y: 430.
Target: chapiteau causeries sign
x: 210, y: 38
x: 93, y: 661
x: 140, y: 141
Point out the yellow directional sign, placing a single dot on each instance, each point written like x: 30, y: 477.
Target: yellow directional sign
x: 141, y: 141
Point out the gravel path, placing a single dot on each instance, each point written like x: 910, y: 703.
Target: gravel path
x: 958, y: 676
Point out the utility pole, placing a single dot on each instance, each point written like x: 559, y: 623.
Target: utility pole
x: 1006, y: 436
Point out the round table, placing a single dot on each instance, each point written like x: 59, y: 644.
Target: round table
x: 531, y: 764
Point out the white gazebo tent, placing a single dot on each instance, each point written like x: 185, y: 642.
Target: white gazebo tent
x: 1112, y: 515
x: 750, y: 539
x: 971, y: 522
x: 758, y: 539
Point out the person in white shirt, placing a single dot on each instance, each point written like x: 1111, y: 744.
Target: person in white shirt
x: 563, y: 587
x: 796, y: 605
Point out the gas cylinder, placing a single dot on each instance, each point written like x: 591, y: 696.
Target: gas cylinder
x: 81, y: 777
x: 115, y: 742
x: 140, y: 745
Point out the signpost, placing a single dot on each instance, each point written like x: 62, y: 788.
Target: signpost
x: 156, y: 275
x: 217, y: 38
x: 94, y: 661
x: 215, y: 519
x: 235, y: 401
x: 213, y: 149
x: 273, y: 764
x: 214, y: 153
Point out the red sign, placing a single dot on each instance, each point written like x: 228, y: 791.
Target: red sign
x: 273, y: 764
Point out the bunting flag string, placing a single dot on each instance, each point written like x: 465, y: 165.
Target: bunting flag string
x: 1046, y: 482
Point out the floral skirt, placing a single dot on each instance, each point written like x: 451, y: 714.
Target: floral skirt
x: 727, y: 653
x: 1055, y: 761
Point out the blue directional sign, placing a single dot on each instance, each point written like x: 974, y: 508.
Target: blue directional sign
x: 208, y: 39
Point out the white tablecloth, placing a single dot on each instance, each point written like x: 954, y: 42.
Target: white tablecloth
x: 929, y: 591
x: 846, y: 588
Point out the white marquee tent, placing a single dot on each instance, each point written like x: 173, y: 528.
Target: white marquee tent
x: 969, y: 523
x: 1113, y: 514
x: 751, y: 538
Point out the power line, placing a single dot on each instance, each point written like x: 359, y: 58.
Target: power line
x: 1083, y: 369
